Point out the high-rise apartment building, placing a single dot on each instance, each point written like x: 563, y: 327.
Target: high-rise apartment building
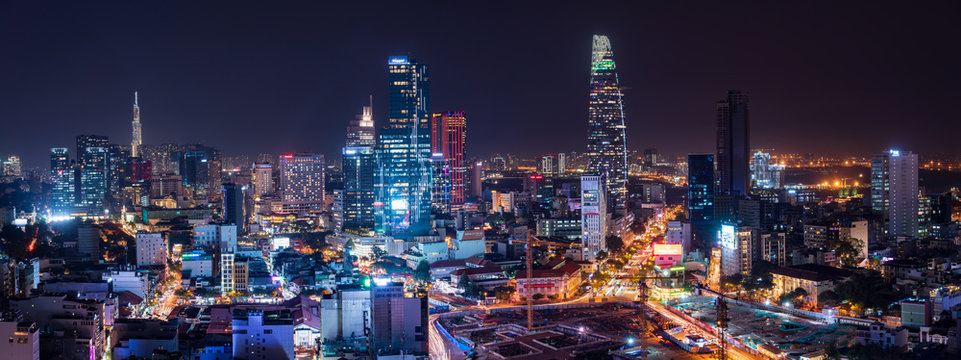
x: 151, y: 249
x: 358, y: 168
x: 733, y: 145
x: 404, y: 152
x: 302, y: 181
x: 894, y: 191
x: 737, y: 249
x: 606, y: 141
x: 593, y: 215
x: 448, y: 138
x: 263, y: 179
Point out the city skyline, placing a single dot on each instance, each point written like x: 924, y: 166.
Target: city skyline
x: 670, y: 88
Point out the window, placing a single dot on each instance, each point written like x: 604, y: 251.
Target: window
x: 268, y: 331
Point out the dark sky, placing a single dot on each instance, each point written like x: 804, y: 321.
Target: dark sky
x: 270, y: 77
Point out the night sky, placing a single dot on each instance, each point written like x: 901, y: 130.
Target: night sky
x: 267, y: 77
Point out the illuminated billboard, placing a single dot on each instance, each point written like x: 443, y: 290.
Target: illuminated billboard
x: 726, y: 237
x: 668, y: 249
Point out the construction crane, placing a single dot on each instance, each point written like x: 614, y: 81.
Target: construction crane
x: 531, y: 242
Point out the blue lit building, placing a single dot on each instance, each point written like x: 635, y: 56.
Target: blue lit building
x: 700, y: 198
x: 404, y: 153
x: 63, y: 193
x: 93, y: 179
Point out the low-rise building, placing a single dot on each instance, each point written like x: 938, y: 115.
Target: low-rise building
x: 814, y: 279
x: 891, y: 339
x: 561, y: 283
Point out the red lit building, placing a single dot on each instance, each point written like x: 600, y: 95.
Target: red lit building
x: 448, y: 137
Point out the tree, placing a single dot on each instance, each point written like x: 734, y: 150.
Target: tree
x: 504, y: 293
x: 470, y: 289
x: 377, y: 252
x: 847, y: 250
x: 537, y: 296
x: 793, y: 295
x: 422, y: 273
x: 614, y: 243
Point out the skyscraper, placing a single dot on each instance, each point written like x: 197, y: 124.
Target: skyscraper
x: 733, y: 145
x: 358, y: 168
x: 87, y: 141
x: 360, y: 132
x: 606, y: 141
x: 404, y: 180
x: 93, y: 179
x: 448, y: 138
x: 302, y: 181
x: 894, y: 191
x: 136, y: 139
x: 700, y: 199
x: 593, y: 215
x: 63, y: 193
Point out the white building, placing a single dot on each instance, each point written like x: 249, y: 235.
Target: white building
x: 679, y: 232
x: 24, y: 339
x: 199, y: 263
x: 259, y: 334
x: 736, y: 250
x: 887, y: 338
x: 345, y: 315
x: 593, y: 215
x: 133, y: 281
x: 151, y: 249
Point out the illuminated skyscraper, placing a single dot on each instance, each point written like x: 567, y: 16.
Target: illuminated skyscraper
x: 733, y: 145
x: 361, y: 130
x: 136, y: 139
x: 302, y: 181
x: 894, y: 191
x: 357, y: 199
x: 63, y: 193
x: 700, y: 199
x: 93, y: 179
x: 404, y: 179
x: 449, y: 138
x: 606, y: 142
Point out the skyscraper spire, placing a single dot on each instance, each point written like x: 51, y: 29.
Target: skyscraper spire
x: 606, y: 141
x: 136, y: 139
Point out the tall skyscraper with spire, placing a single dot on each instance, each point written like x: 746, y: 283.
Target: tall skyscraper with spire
x: 136, y: 139
x: 404, y: 179
x: 606, y: 142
